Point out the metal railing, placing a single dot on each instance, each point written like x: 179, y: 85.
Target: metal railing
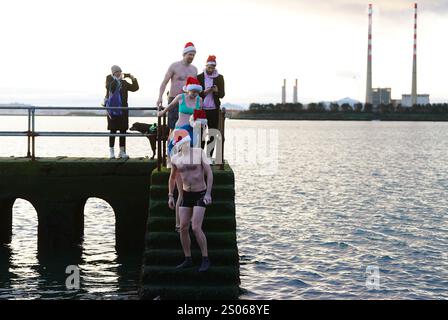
x: 31, y: 133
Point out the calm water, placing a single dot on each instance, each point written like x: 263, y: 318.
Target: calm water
x: 345, y: 196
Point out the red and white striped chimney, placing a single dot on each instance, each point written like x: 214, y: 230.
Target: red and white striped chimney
x: 369, y: 59
x: 414, y: 68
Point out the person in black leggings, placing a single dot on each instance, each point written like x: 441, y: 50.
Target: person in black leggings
x: 119, y: 123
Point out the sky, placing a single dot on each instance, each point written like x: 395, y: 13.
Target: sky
x: 59, y: 52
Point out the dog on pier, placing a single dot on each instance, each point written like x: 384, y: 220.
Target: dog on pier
x: 145, y: 128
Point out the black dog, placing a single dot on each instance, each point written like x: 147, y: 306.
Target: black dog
x: 144, y: 128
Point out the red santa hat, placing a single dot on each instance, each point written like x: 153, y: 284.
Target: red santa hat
x: 180, y: 136
x: 192, y: 84
x: 211, y: 60
x: 189, y: 47
x: 199, y: 117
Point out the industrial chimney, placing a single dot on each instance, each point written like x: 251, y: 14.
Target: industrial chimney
x: 284, y: 92
x: 414, y: 67
x: 369, y: 60
x: 295, y: 95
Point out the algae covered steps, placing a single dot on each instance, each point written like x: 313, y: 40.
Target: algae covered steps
x: 163, y: 250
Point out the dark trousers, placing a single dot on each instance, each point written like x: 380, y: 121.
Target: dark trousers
x: 173, y: 114
x: 122, y: 139
x: 212, y: 123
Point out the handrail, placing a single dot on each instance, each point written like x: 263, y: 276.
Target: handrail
x: 75, y: 108
x: 31, y: 133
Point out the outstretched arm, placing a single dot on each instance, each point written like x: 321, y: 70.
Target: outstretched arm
x: 169, y: 74
x: 169, y: 107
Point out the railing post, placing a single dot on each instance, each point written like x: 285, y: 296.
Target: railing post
x: 223, y: 121
x: 159, y: 144
x: 33, y: 138
x: 28, y: 154
x: 164, y: 142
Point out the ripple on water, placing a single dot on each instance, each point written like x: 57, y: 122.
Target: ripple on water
x: 337, y: 205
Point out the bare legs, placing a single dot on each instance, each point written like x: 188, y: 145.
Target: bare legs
x: 196, y: 216
x: 185, y: 218
x: 179, y: 185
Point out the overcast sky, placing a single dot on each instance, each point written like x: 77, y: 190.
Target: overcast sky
x: 59, y: 52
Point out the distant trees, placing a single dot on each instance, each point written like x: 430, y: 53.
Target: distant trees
x: 386, y: 108
x: 345, y: 108
x: 358, y: 107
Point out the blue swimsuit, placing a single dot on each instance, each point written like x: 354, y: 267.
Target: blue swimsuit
x: 183, y: 108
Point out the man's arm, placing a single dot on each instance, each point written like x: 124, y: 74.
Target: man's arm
x: 221, y: 88
x: 209, y: 174
x: 171, y: 185
x: 169, y: 74
x: 134, y: 86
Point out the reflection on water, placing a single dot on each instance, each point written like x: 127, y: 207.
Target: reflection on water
x: 347, y: 195
x: 26, y: 274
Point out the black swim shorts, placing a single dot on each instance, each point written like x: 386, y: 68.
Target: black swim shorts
x: 193, y: 199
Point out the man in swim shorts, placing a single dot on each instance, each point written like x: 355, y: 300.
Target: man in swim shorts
x: 193, y: 165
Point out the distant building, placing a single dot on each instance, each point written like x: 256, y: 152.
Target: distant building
x: 406, y: 100
x: 381, y: 96
x: 396, y: 102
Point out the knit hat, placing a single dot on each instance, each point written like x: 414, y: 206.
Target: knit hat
x: 198, y: 118
x: 211, y: 60
x: 180, y: 136
x: 115, y: 68
x: 192, y: 84
x: 189, y: 47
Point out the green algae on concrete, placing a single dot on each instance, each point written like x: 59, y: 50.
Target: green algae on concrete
x: 58, y: 188
x: 163, y: 250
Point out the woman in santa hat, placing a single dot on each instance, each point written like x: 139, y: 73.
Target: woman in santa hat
x: 190, y: 110
x: 190, y: 114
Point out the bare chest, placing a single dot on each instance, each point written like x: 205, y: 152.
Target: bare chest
x: 181, y: 73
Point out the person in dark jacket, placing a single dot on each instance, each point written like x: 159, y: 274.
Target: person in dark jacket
x: 119, y: 123
x: 213, y: 84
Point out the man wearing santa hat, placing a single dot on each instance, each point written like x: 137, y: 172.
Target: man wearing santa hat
x: 193, y: 166
x: 178, y: 73
x: 188, y: 105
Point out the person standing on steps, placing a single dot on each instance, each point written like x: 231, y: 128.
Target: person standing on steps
x: 192, y: 164
x: 117, y: 95
x: 213, y: 91
x: 187, y: 104
x: 177, y: 73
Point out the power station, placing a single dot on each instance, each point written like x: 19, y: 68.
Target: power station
x: 295, y: 98
x: 379, y: 96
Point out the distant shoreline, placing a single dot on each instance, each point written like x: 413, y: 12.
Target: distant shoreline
x: 72, y: 115
x: 342, y: 116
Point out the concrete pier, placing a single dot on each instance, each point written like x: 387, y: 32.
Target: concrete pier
x: 58, y: 188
